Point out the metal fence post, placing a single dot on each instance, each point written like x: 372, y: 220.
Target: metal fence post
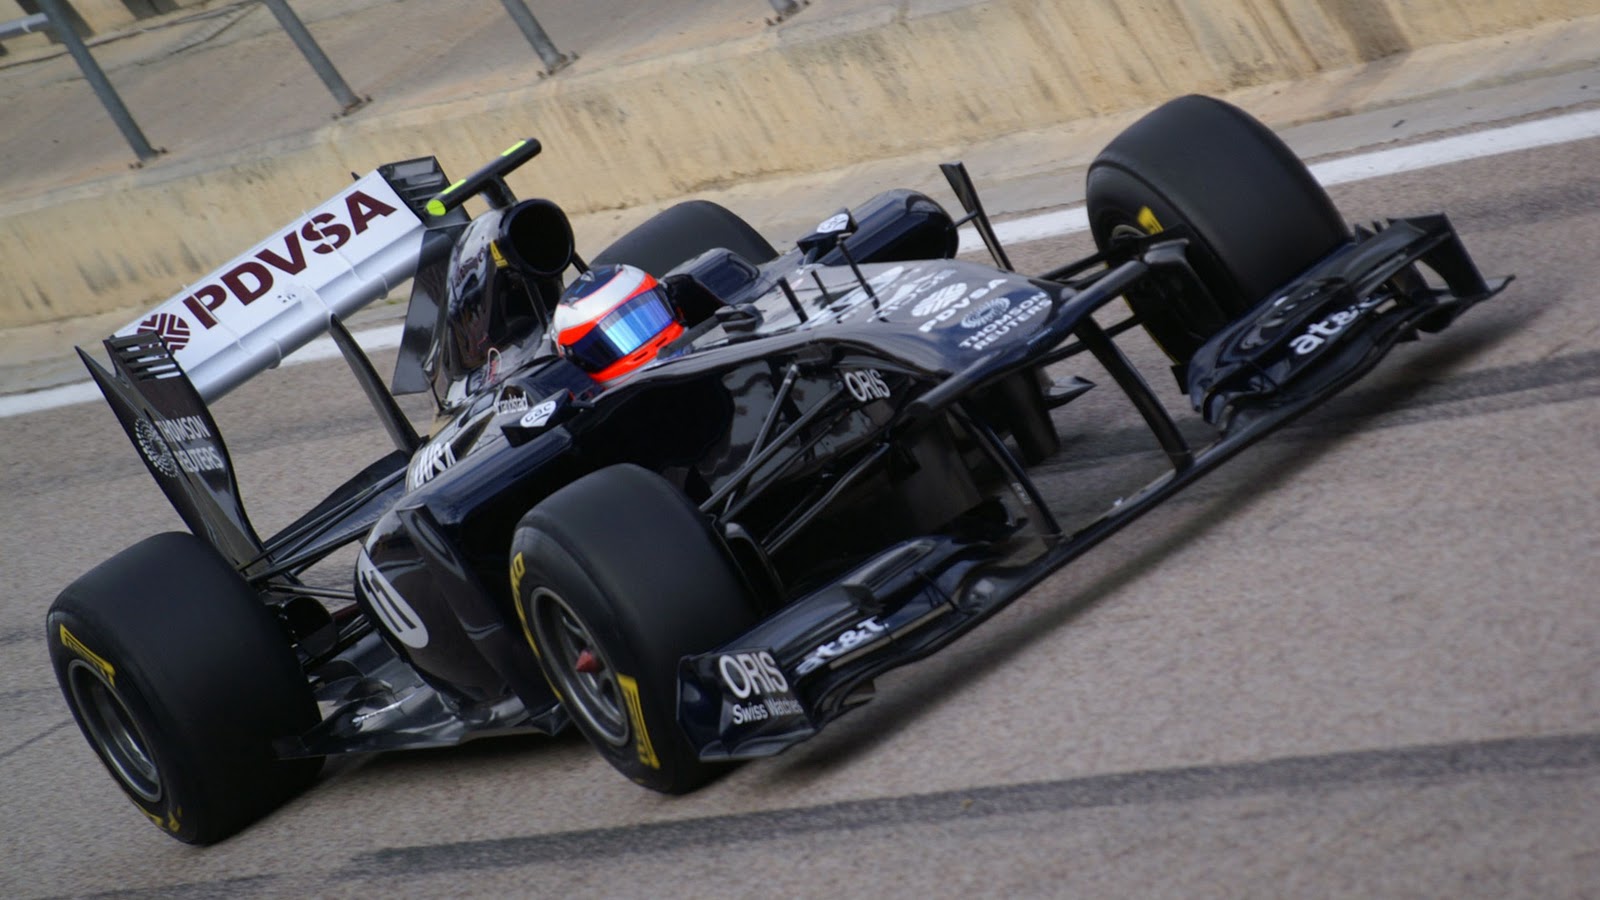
x: 319, y: 61
x: 785, y: 9
x: 554, y: 60
x: 97, y: 80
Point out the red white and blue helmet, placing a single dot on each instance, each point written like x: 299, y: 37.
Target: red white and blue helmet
x: 613, y: 320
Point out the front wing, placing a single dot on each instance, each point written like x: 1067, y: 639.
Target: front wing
x: 780, y: 682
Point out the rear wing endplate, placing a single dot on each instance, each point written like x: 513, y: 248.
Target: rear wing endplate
x: 178, y: 440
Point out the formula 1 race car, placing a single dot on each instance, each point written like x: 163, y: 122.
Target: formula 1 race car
x: 691, y: 495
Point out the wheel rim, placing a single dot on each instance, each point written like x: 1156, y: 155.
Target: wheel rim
x: 114, y: 731
x: 593, y: 695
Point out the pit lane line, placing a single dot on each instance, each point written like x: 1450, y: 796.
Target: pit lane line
x: 1528, y: 135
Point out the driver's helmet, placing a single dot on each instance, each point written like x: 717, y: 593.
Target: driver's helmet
x: 613, y: 320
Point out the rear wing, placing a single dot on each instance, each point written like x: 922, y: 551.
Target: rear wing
x: 398, y: 222
x: 264, y: 304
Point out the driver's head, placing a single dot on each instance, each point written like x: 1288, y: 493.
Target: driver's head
x: 613, y: 320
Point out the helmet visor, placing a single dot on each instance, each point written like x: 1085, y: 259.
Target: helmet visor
x: 621, y: 331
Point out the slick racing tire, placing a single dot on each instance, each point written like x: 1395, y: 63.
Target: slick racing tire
x: 680, y: 233
x: 180, y: 678
x: 617, y: 576
x: 1257, y: 217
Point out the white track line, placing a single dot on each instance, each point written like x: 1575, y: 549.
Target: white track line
x: 1509, y: 139
x: 1360, y: 167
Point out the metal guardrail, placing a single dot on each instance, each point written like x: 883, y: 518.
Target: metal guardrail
x: 554, y: 60
x: 312, y: 51
x: 53, y: 17
x: 63, y: 30
x: 24, y: 25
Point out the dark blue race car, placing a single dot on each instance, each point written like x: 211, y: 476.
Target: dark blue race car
x: 691, y: 495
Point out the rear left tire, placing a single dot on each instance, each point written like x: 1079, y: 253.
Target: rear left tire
x: 180, y: 678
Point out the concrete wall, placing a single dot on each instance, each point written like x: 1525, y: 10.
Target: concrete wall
x: 831, y: 90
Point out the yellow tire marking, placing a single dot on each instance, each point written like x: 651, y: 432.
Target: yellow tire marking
x: 170, y: 823
x: 71, y: 642
x: 630, y: 692
x: 519, y: 567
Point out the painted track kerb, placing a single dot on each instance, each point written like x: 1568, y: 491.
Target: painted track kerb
x: 1358, y: 167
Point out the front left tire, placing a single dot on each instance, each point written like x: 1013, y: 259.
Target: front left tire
x: 617, y: 577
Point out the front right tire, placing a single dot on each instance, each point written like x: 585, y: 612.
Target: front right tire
x: 1257, y: 216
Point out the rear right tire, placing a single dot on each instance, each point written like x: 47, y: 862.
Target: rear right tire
x: 680, y: 233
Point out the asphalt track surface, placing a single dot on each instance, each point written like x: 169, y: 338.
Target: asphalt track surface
x: 1360, y: 659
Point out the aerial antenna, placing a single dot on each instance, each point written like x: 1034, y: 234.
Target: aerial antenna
x: 826, y: 297
x: 794, y: 301
x: 865, y: 285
